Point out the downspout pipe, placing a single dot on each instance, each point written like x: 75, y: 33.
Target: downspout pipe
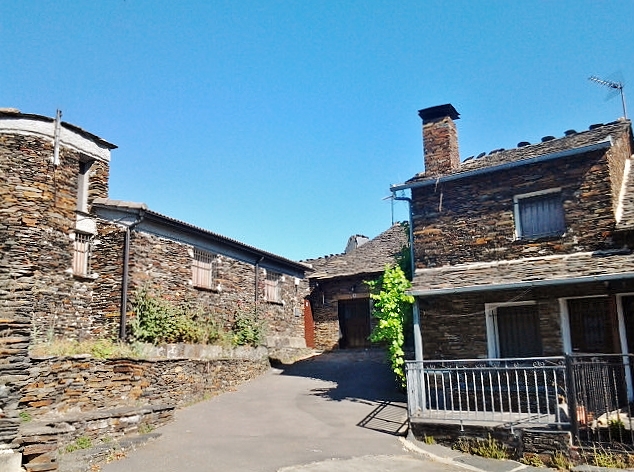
x: 125, y: 278
x: 418, y: 338
x: 257, y: 283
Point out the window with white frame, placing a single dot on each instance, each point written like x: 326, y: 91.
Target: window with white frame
x: 592, y: 326
x: 273, y: 287
x: 83, y: 178
x: 203, y: 269
x: 539, y: 214
x: 81, y: 254
x: 513, y: 330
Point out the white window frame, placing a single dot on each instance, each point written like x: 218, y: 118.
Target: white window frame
x: 567, y: 337
x: 203, y: 263
x: 83, y: 183
x: 493, y: 335
x: 517, y: 214
x: 82, y: 248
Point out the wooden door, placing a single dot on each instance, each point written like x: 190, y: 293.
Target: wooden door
x: 309, y: 325
x: 354, y: 323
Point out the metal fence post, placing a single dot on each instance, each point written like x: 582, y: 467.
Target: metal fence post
x: 571, y: 398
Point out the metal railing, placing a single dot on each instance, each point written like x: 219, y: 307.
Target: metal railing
x: 589, y: 393
x: 513, y: 391
x: 598, y: 397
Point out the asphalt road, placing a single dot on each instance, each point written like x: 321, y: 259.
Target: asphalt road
x: 335, y: 412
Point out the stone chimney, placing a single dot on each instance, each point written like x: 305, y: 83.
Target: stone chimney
x: 440, y: 139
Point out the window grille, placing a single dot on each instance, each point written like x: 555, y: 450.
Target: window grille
x: 518, y: 331
x: 81, y: 254
x: 202, y: 269
x: 272, y: 287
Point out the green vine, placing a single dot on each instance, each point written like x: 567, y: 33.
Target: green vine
x: 390, y: 307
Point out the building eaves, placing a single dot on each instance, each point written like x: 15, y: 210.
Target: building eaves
x: 16, y: 114
x: 144, y: 214
x: 524, y: 273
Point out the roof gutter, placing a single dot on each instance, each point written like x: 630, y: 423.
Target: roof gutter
x: 521, y: 285
x: 604, y: 144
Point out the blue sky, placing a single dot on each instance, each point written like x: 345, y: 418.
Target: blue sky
x: 283, y: 123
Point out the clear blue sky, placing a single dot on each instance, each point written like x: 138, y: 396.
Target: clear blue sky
x: 283, y: 123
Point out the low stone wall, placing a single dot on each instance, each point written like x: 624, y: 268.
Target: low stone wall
x: 80, y: 397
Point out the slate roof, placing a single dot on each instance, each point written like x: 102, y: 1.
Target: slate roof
x: 600, y: 134
x: 524, y: 273
x: 101, y: 205
x: 371, y: 257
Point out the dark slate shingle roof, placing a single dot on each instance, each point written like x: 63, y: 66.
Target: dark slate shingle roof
x: 371, y: 257
x: 523, y: 272
x: 566, y: 143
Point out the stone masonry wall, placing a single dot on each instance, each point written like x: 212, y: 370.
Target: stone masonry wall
x: 164, y: 266
x: 471, y: 220
x: 324, y: 302
x: 455, y: 327
x: 38, y: 294
x: 81, y: 397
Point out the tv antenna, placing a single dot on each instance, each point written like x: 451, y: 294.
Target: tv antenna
x: 613, y: 85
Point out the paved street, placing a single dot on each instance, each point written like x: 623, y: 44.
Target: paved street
x: 334, y: 412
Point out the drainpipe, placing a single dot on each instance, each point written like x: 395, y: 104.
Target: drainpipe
x: 126, y: 277
x: 257, y: 277
x: 418, y: 338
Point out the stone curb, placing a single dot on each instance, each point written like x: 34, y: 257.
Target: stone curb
x: 448, y: 456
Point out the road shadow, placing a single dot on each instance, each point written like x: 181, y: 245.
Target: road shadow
x: 357, y: 375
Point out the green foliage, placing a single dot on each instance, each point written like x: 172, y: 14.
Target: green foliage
x: 157, y: 320
x: 489, y: 448
x: 81, y: 442
x: 532, y: 459
x: 560, y: 462
x: 97, y: 348
x: 606, y: 458
x: 25, y: 417
x: 390, y: 307
x: 247, y: 331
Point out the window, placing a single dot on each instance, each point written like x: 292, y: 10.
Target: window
x: 593, y: 326
x: 202, y: 269
x: 513, y: 330
x: 272, y: 287
x: 82, y: 185
x: 539, y: 214
x: 81, y: 254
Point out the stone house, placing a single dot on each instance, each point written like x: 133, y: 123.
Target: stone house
x: 524, y: 252
x: 66, y: 248
x: 339, y: 299
x: 205, y: 270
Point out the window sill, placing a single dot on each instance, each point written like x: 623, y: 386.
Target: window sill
x: 86, y: 277
x: 274, y: 302
x: 207, y: 289
x: 538, y: 239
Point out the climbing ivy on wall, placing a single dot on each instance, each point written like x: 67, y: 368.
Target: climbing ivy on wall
x: 391, y: 304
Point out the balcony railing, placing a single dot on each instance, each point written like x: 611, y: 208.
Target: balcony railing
x: 589, y: 393
x: 513, y: 391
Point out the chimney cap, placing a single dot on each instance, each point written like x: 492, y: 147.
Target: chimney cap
x: 437, y: 112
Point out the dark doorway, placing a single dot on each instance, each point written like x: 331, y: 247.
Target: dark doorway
x: 354, y: 323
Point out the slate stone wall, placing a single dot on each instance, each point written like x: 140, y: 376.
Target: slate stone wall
x: 324, y: 302
x: 454, y: 327
x: 164, y: 266
x: 38, y: 293
x: 471, y: 220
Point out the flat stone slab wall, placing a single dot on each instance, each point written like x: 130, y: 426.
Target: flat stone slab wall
x: 81, y: 397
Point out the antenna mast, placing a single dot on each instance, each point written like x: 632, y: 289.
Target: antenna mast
x: 613, y: 85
